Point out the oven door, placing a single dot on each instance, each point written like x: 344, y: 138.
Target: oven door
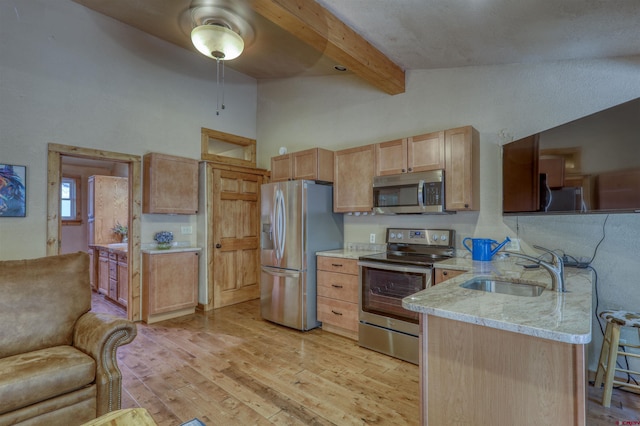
x: 382, y: 288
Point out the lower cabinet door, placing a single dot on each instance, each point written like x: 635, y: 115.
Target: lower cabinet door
x: 339, y: 313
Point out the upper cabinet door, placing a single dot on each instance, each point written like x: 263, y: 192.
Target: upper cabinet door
x: 353, y: 184
x: 281, y: 168
x: 426, y: 152
x: 520, y: 175
x: 310, y: 164
x: 462, y: 169
x: 414, y: 154
x: 391, y: 157
x: 170, y: 184
x: 313, y: 164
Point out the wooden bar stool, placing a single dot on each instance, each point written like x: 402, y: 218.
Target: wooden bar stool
x: 610, y: 351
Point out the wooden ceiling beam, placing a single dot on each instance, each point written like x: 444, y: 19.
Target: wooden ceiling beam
x: 322, y: 30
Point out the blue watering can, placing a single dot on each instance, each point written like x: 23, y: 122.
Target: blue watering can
x: 481, y: 248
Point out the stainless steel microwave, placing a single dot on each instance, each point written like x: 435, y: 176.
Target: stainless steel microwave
x: 409, y: 193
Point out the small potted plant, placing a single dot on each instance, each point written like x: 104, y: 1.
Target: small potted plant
x: 121, y: 230
x: 164, y: 239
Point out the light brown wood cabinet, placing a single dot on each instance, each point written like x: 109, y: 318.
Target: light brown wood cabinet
x: 354, y: 171
x: 123, y: 279
x: 337, y: 288
x: 414, y: 154
x: 462, y: 169
x: 443, y: 274
x: 103, y: 272
x: 311, y: 164
x: 108, y: 204
x: 170, y: 184
x: 169, y: 285
x: 92, y: 270
x: 544, y: 381
x: 113, y: 275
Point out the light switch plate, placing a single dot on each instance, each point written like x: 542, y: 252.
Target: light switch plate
x: 372, y: 238
x: 186, y: 230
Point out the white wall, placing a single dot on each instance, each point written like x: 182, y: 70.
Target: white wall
x: 504, y: 103
x: 71, y: 76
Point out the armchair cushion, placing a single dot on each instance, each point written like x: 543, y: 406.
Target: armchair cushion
x: 26, y: 379
x: 41, y: 301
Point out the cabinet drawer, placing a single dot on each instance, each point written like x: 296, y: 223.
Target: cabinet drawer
x: 443, y: 274
x: 338, y: 313
x: 337, y: 264
x: 113, y: 256
x: 338, y: 286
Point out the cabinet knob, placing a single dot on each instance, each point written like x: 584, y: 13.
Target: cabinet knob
x: 445, y: 273
x: 403, y: 170
x: 410, y: 169
x: 218, y: 245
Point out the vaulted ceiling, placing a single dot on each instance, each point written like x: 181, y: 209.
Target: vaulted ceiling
x: 378, y: 40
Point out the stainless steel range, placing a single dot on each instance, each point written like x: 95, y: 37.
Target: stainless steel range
x: 386, y: 278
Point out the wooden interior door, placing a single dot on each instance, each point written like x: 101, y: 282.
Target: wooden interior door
x: 236, y: 237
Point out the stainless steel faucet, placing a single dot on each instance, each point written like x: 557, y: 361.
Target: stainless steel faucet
x: 555, y: 268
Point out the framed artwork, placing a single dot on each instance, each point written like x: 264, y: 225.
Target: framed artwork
x: 13, y: 190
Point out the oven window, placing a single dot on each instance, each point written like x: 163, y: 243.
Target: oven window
x: 390, y: 196
x: 383, y: 291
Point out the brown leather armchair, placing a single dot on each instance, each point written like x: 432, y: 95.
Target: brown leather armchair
x: 58, y: 361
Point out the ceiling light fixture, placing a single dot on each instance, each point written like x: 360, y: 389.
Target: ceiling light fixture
x: 216, y: 40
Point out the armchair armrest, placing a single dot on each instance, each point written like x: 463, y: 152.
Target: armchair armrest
x: 99, y: 336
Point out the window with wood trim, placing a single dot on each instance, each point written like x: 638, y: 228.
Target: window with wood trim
x: 70, y: 200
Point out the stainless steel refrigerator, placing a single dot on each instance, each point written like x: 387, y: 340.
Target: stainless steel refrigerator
x: 297, y: 220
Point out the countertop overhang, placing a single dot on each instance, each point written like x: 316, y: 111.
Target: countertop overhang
x: 563, y: 317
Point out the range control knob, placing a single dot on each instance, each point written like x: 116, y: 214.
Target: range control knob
x: 443, y: 237
x: 392, y: 235
x: 434, y: 237
x: 400, y: 235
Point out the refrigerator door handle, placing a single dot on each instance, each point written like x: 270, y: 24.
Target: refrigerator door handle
x: 281, y: 224
x: 276, y: 223
x: 280, y: 272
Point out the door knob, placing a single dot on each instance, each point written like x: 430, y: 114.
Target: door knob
x: 218, y: 245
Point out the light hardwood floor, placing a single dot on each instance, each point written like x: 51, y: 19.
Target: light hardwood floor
x: 229, y: 367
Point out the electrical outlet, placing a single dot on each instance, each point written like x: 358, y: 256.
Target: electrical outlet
x: 513, y: 245
x: 186, y: 230
x: 372, y: 238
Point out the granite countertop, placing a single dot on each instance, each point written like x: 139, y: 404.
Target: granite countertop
x: 152, y: 249
x: 347, y: 253
x: 118, y: 248
x: 563, y: 317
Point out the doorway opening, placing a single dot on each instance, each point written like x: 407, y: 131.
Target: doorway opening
x: 60, y: 155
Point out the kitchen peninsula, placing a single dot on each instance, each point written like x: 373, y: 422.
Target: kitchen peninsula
x: 489, y: 358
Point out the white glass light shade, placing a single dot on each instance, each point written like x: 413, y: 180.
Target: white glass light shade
x: 217, y: 42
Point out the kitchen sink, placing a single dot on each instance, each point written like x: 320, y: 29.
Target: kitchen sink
x: 493, y: 285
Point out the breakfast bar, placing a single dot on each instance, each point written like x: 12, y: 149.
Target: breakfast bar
x: 490, y: 358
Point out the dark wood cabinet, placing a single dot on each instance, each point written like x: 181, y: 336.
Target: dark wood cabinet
x: 520, y: 176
